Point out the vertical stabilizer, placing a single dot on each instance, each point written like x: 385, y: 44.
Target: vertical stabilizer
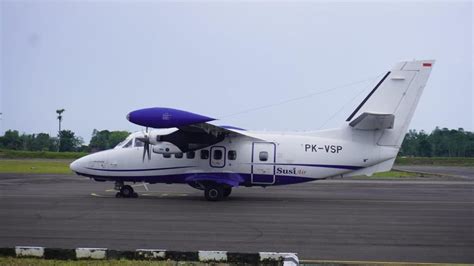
x: 396, y: 94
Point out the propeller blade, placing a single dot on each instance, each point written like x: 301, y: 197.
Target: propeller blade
x: 146, y: 145
x: 147, y: 149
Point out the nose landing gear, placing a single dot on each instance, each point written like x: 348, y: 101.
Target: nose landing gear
x: 125, y: 191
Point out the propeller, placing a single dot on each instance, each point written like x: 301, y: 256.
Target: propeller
x: 146, y: 145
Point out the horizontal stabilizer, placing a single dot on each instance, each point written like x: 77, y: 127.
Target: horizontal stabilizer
x: 373, y: 121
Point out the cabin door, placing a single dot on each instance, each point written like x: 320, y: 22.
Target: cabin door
x: 263, y: 163
x: 217, y: 159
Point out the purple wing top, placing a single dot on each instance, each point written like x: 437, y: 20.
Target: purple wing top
x: 159, y: 117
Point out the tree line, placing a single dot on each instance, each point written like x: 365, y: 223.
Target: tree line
x: 66, y: 141
x: 439, y: 143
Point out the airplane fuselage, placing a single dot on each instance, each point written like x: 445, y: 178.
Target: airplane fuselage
x: 277, y: 159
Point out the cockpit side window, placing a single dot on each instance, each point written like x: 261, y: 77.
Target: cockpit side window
x: 120, y: 144
x: 129, y: 144
x: 139, y: 143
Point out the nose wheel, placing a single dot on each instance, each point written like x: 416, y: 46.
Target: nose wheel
x: 126, y: 191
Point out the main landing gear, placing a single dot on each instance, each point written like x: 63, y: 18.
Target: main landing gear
x: 125, y: 191
x: 216, y: 192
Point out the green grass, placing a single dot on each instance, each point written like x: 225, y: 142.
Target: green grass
x: 42, y: 262
x: 391, y: 175
x: 12, y: 154
x: 441, y: 161
x: 35, y: 166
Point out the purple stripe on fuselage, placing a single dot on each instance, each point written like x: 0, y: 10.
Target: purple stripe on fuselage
x: 184, y: 178
x: 348, y: 167
x: 139, y: 170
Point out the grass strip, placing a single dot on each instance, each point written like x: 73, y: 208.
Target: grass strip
x: 394, y: 174
x: 12, y: 154
x: 440, y: 161
x: 35, y: 166
x: 11, y: 261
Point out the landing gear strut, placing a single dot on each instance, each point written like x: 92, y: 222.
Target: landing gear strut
x: 125, y: 191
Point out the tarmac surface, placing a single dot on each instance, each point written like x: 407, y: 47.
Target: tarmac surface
x: 421, y: 220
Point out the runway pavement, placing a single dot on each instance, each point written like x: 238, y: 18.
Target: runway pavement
x: 416, y: 221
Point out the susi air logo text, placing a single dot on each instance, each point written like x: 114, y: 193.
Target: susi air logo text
x: 290, y: 171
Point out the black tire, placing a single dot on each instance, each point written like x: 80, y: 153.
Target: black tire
x: 227, y: 191
x: 214, y: 192
x: 118, y: 195
x: 127, y: 191
x: 135, y: 195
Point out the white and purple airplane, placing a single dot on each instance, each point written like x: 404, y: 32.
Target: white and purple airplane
x: 185, y: 148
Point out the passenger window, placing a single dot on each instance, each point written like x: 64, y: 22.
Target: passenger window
x: 190, y: 154
x: 232, y: 155
x: 139, y: 143
x: 204, y: 154
x: 263, y: 156
x: 178, y: 155
x: 129, y: 144
x: 217, y: 155
x: 166, y: 155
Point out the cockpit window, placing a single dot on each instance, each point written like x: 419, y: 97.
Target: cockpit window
x: 139, y: 143
x: 121, y: 143
x: 129, y: 144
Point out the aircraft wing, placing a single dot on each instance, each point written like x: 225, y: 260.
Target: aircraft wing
x: 373, y: 121
x: 193, y: 130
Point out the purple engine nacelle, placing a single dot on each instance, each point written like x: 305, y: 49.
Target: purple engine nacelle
x: 159, y: 117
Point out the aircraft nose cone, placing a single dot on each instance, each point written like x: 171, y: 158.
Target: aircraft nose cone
x: 76, y: 166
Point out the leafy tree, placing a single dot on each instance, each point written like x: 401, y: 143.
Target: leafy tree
x: 42, y: 142
x: 103, y: 140
x: 99, y: 140
x: 410, y: 143
x: 12, y: 140
x: 68, y: 141
x: 440, y: 143
x: 116, y: 137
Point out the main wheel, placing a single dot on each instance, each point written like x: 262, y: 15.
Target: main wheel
x: 214, y: 192
x: 227, y: 191
x: 127, y: 191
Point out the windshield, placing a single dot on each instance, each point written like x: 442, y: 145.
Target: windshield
x: 129, y: 144
x: 139, y: 143
x: 121, y: 143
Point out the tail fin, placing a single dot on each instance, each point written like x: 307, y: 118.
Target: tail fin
x: 391, y: 104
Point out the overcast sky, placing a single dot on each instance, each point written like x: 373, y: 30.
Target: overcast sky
x: 100, y: 60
